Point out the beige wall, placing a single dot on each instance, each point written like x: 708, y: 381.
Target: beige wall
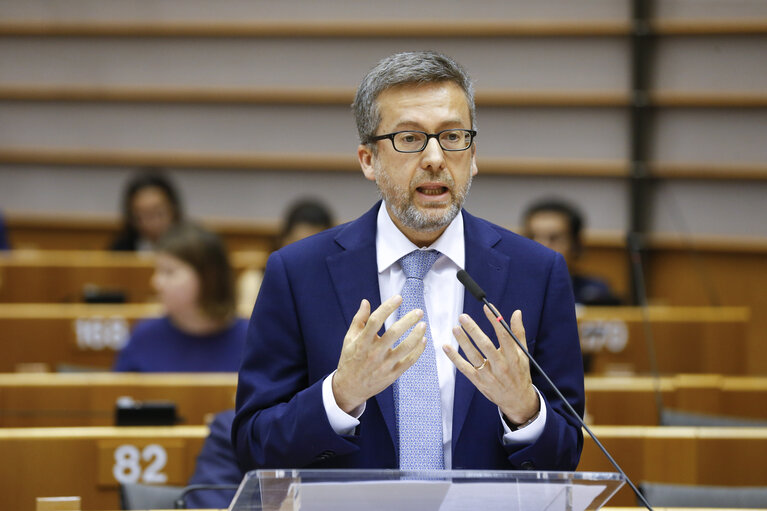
x: 599, y: 64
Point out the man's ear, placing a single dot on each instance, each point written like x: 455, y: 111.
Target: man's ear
x: 366, y: 157
x: 474, y: 168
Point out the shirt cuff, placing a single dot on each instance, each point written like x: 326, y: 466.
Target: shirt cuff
x: 529, y: 433
x: 341, y: 422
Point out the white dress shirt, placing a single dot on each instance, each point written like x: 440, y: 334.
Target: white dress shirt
x: 443, y: 295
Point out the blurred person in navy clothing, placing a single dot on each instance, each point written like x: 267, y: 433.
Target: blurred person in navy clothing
x: 558, y: 225
x: 199, y: 331
x: 216, y: 464
x: 4, y: 245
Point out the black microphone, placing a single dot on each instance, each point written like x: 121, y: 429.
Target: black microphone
x: 480, y: 295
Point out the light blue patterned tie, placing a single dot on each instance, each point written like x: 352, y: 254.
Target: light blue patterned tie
x: 416, y: 393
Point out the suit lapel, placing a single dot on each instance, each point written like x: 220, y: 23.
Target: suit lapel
x: 354, y: 273
x: 490, y: 269
x: 355, y: 276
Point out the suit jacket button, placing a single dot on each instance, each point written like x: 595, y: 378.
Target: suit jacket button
x: 527, y: 465
x: 324, y: 455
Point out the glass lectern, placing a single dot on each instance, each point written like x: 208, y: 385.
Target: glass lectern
x: 438, y: 490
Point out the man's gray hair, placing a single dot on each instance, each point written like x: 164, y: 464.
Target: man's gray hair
x: 400, y: 69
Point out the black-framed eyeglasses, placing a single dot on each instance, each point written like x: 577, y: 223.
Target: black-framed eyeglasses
x: 416, y: 141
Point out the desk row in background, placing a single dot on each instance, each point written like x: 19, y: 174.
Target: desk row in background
x: 67, y: 276
x: 54, y: 400
x: 91, y: 461
x: 686, y: 339
x: 90, y: 399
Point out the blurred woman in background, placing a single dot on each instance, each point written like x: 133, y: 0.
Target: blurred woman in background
x: 151, y: 205
x: 199, y: 331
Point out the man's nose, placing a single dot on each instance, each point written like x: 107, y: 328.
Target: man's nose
x: 433, y: 155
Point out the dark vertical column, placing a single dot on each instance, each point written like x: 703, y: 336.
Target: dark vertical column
x: 642, y: 46
x: 640, y: 200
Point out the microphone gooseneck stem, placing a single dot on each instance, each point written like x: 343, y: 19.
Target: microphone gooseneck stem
x: 569, y: 407
x: 473, y: 288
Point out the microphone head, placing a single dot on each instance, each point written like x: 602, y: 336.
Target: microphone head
x: 470, y: 285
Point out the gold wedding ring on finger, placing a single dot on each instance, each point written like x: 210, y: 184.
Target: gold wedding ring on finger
x: 481, y: 366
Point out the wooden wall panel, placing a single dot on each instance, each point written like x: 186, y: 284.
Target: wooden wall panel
x: 676, y: 277
x: 40, y: 462
x: 682, y: 455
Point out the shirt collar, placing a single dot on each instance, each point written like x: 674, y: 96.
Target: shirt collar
x: 391, y: 244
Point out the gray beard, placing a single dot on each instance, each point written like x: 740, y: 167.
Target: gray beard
x: 410, y: 216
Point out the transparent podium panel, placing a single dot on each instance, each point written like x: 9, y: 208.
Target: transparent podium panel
x: 432, y: 490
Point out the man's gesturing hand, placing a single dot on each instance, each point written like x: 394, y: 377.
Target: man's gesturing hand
x: 502, y: 374
x: 368, y: 363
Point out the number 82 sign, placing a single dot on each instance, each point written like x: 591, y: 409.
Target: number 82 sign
x: 148, y: 462
x: 129, y: 469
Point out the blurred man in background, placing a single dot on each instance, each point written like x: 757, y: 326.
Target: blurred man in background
x: 558, y: 225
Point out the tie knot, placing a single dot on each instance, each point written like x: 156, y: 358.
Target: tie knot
x: 417, y: 263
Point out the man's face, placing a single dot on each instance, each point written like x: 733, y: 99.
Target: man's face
x: 423, y: 191
x: 551, y: 229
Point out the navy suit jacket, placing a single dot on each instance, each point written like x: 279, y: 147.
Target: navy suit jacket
x: 310, y: 292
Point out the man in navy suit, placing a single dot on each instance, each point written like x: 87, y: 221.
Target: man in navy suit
x: 322, y: 356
